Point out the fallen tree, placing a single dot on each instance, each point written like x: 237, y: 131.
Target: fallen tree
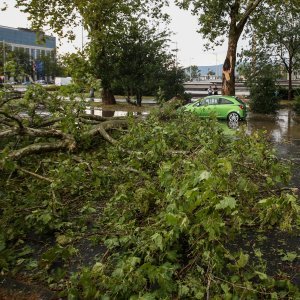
x: 44, y: 122
x: 171, y: 208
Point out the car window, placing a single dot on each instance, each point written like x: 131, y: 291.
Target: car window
x: 239, y: 100
x: 199, y: 103
x: 224, y: 101
x: 206, y: 101
x: 209, y: 101
x: 213, y: 101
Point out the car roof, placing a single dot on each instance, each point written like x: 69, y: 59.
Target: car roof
x: 232, y: 98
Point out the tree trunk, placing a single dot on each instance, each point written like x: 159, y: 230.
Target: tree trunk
x: 228, y: 73
x: 108, y: 97
x: 138, y: 98
x: 290, y: 72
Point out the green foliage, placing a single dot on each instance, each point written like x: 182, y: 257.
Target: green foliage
x: 79, y: 68
x: 169, y: 201
x: 262, y: 93
x: 261, y: 76
x: 19, y: 64
x: 297, y: 105
x: 276, y: 29
x: 144, y: 63
x: 170, y: 225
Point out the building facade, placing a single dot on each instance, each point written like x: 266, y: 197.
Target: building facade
x: 27, y: 40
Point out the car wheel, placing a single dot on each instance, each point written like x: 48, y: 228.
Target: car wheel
x: 233, y: 117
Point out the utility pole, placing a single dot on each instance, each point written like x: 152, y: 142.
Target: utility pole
x: 82, y: 35
x: 217, y: 71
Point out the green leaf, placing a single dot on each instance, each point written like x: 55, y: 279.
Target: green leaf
x: 243, y: 260
x: 158, y: 240
x: 63, y: 240
x: 262, y: 276
x: 46, y: 218
x: 289, y: 256
x: 227, y: 202
x: 203, y: 175
x: 172, y: 219
x: 2, y: 242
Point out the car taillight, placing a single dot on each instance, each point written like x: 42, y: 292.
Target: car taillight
x: 241, y: 106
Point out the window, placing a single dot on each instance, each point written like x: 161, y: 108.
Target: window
x: 206, y: 101
x: 224, y: 101
x: 213, y: 101
x: 239, y: 100
x: 200, y: 103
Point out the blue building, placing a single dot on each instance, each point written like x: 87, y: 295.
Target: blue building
x: 27, y: 40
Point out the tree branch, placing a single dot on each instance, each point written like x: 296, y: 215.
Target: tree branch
x: 8, y: 133
x: 35, y: 175
x: 41, y: 148
x: 101, y: 128
x: 250, y: 8
x: 14, y: 118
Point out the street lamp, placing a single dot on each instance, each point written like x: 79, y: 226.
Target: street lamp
x: 191, y: 58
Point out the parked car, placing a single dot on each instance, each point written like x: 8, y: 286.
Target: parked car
x: 26, y: 83
x: 41, y: 81
x: 224, y: 107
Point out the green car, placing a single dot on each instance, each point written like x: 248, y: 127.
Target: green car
x: 224, y: 107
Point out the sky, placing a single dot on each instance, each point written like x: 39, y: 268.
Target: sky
x: 189, y: 43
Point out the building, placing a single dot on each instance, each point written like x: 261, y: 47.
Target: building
x: 26, y: 40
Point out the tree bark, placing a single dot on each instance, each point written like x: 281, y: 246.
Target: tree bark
x: 290, y: 72
x: 108, y: 97
x: 228, y: 73
x: 138, y: 98
x: 237, y: 24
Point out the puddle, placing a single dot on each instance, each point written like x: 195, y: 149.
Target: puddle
x: 112, y: 113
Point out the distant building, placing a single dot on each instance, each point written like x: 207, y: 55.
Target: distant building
x: 27, y: 40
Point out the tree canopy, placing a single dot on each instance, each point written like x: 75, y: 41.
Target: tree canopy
x: 219, y: 20
x: 106, y: 22
x: 276, y: 32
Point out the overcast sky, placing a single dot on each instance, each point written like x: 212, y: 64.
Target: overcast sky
x: 189, y: 43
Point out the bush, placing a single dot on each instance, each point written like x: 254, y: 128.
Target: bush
x: 71, y: 89
x: 297, y: 105
x: 282, y: 93
x: 262, y: 95
x: 261, y: 76
x: 52, y: 88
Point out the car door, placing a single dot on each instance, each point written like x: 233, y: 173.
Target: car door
x: 225, y: 106
x: 211, y: 105
x: 214, y: 106
x: 200, y: 107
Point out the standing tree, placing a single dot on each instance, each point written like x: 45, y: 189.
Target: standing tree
x: 195, y: 72
x: 143, y: 59
x: 261, y: 75
x: 50, y: 66
x: 106, y: 22
x: 223, y: 18
x: 279, y: 33
x: 19, y: 65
